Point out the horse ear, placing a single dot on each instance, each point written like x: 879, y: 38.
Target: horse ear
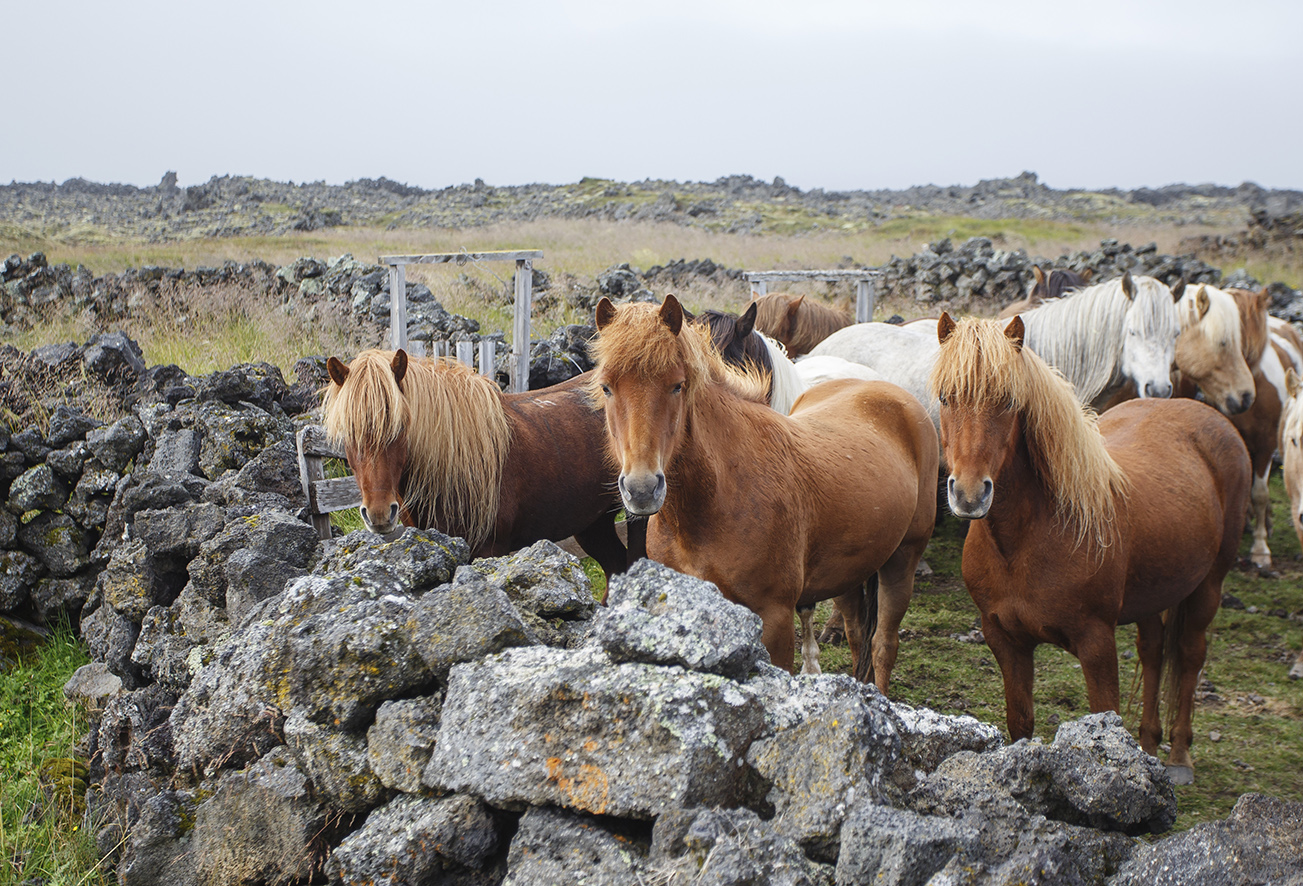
x: 945, y: 326
x: 605, y: 312
x: 1264, y: 298
x: 399, y: 365
x: 1128, y: 285
x: 1086, y: 275
x: 1201, y: 300
x: 671, y: 314
x: 338, y: 371
x: 1015, y: 332
x: 746, y: 322
x: 1292, y: 382
x: 1039, y: 275
x: 794, y: 305
x: 1178, y: 290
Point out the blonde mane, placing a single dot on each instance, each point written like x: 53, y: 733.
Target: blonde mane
x: 635, y: 342
x: 979, y: 366
x: 457, y: 434
x: 1221, y: 322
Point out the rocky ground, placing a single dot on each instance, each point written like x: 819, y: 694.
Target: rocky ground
x: 234, y: 205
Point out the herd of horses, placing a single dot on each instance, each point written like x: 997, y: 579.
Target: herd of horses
x: 1108, y: 444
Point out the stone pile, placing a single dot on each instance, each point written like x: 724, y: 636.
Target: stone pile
x: 270, y: 708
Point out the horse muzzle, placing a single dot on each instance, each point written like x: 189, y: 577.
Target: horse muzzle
x: 381, y: 527
x: 968, y: 506
x: 643, y: 494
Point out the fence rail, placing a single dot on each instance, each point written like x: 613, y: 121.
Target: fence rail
x: 864, y: 279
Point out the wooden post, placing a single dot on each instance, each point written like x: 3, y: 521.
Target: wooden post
x: 397, y: 306
x: 466, y: 353
x: 488, y: 357
x: 520, y: 329
x: 864, y: 299
x: 440, y: 347
x: 758, y: 290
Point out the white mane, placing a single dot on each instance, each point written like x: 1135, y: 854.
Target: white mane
x: 1083, y: 333
x: 787, y: 384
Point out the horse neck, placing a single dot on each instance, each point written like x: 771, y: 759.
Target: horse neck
x: 717, y: 422
x: 1022, y: 506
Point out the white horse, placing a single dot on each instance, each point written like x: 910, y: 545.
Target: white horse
x: 792, y: 379
x: 1100, y: 338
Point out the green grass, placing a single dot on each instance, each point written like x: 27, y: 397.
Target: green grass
x: 43, y: 833
x: 1253, y: 708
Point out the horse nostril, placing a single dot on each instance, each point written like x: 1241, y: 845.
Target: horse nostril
x: 393, y: 513
x: 365, y: 518
x: 987, y: 487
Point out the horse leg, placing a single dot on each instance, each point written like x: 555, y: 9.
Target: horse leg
x: 601, y: 542
x: 779, y: 635
x: 1017, y: 667
x: 809, y: 645
x: 895, y: 590
x: 850, y: 609
x: 1260, y: 515
x: 1096, y: 649
x: 1191, y: 619
x: 1149, y: 649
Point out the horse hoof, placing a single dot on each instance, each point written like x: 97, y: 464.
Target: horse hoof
x: 1296, y: 672
x: 1181, y: 775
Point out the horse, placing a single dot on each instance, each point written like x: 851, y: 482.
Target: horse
x: 434, y: 444
x: 797, y: 323
x: 1056, y: 284
x: 1081, y: 524
x: 1291, y: 447
x: 779, y: 512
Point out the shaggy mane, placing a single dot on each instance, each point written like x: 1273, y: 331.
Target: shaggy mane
x: 457, y: 434
x: 979, y: 366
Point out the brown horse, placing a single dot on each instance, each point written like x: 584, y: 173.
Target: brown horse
x: 434, y: 444
x: 1081, y: 525
x: 779, y: 512
x: 796, y: 322
x: 1057, y: 283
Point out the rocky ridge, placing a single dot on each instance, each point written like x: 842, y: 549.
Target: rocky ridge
x: 241, y: 205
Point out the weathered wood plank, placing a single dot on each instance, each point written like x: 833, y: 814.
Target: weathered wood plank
x: 312, y: 440
x: 397, y: 307
x: 338, y: 494
x: 488, y: 356
x: 460, y: 258
x: 864, y: 301
x: 310, y: 472
x: 520, y: 327
x: 754, y: 277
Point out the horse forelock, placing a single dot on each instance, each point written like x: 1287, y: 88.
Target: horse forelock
x: 457, y: 435
x: 978, y: 366
x: 635, y: 343
x: 1222, y: 320
x: 368, y: 412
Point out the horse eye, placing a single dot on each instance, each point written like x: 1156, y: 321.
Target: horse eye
x: 606, y: 391
x: 678, y: 389
x: 945, y: 401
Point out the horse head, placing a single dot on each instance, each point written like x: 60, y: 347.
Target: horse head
x: 1149, y: 339
x: 365, y: 412
x: 648, y: 362
x: 1210, y: 352
x: 980, y: 428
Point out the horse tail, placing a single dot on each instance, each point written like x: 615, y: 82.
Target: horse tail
x: 1173, y: 663
x: 868, y: 626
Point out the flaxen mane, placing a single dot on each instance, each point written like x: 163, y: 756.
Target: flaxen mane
x: 1253, y: 324
x: 979, y: 366
x: 636, y: 342
x: 457, y: 434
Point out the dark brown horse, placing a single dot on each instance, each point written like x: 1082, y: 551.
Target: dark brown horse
x: 433, y: 444
x: 1058, y: 283
x: 796, y: 322
x: 1082, y: 525
x: 779, y: 512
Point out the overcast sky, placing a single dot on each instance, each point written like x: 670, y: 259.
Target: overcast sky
x: 834, y: 94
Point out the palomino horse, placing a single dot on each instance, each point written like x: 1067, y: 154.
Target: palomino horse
x: 1081, y: 525
x: 435, y: 444
x: 1291, y: 444
x: 1056, y: 284
x: 796, y: 322
x: 779, y: 512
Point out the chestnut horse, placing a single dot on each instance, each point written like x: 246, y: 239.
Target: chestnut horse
x: 1056, y: 284
x: 779, y: 512
x: 436, y: 445
x: 1084, y: 524
x: 797, y: 323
